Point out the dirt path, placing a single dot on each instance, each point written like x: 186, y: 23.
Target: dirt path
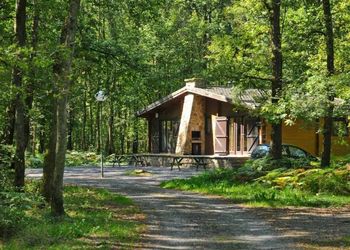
x: 179, y: 220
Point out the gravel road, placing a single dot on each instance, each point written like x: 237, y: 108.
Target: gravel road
x: 183, y: 220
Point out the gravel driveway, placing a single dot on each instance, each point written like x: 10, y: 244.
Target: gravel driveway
x: 183, y: 220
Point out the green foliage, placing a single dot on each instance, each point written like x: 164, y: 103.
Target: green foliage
x: 36, y: 161
x: 6, y: 179
x: 261, y: 183
x: 74, y: 158
x: 91, y: 214
x: 316, y: 181
x: 14, y: 205
x: 267, y: 163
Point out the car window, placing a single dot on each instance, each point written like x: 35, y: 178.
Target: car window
x: 260, y: 151
x: 284, y: 151
x: 296, y: 152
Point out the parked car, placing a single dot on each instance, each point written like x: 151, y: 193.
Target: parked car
x: 291, y: 151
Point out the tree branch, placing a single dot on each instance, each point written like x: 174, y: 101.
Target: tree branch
x: 320, y: 32
x: 258, y: 77
x: 267, y: 6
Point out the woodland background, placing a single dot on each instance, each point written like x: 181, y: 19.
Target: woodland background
x: 55, y: 55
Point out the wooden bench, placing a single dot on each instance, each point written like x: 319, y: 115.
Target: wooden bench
x: 136, y: 159
x: 196, y: 160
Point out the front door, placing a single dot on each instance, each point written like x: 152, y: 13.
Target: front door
x: 221, y: 136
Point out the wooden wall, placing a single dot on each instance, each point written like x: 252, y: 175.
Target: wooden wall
x: 170, y: 111
x: 304, y: 135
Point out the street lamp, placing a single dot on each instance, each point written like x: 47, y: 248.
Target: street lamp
x: 101, y: 97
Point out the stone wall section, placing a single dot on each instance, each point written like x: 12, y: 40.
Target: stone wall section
x: 182, y: 138
x: 197, y: 123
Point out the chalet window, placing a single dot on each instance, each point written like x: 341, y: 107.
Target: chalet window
x: 208, y: 125
x: 169, y: 130
x: 196, y: 135
x: 340, y: 127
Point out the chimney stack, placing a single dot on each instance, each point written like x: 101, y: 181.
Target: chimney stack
x: 195, y: 83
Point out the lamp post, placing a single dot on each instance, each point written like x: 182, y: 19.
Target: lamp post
x: 101, y: 97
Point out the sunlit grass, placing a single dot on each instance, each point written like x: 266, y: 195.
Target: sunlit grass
x: 95, y: 218
x: 253, y: 193
x: 138, y: 172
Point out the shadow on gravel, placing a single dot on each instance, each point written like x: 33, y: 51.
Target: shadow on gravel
x: 314, y: 228
x: 183, y: 220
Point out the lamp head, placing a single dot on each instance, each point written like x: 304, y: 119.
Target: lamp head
x: 100, y: 96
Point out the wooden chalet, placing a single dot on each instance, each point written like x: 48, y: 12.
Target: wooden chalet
x: 203, y: 120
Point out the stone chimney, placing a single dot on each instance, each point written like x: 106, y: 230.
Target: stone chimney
x: 195, y: 82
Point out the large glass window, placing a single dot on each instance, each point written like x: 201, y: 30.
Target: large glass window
x: 169, y: 130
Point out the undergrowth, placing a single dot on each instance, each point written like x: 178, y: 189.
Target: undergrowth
x: 95, y: 218
x: 271, y: 183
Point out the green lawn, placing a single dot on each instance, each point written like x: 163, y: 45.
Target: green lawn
x: 95, y: 218
x: 276, y: 188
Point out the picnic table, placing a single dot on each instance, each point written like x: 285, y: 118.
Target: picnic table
x: 176, y: 160
x: 137, y: 159
x: 196, y: 160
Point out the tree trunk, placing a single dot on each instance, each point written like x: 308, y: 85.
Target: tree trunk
x: 62, y: 70
x: 91, y: 115
x: 42, y: 140
x: 328, y: 120
x: 32, y: 80
x: 276, y: 84
x: 50, y: 156
x: 17, y: 80
x: 110, y: 143
x: 70, y: 130
x: 84, y: 141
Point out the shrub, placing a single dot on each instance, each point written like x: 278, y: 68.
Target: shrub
x: 325, y: 181
x: 35, y: 161
x: 13, y: 205
x: 267, y: 163
x: 75, y: 158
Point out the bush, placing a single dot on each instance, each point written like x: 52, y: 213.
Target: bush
x: 325, y: 181
x: 266, y: 164
x: 13, y: 205
x: 75, y: 158
x: 316, y: 180
x: 35, y: 161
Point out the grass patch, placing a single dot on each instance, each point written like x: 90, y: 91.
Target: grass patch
x: 95, y: 218
x: 312, y: 187
x: 138, y: 172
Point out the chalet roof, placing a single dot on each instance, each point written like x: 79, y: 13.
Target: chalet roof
x: 222, y: 94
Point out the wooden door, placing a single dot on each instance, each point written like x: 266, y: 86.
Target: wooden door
x: 245, y: 135
x: 221, y: 136
x: 252, y: 134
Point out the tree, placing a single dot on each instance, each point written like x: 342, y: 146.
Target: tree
x: 276, y: 83
x: 21, y: 111
x: 62, y: 71
x: 328, y: 120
